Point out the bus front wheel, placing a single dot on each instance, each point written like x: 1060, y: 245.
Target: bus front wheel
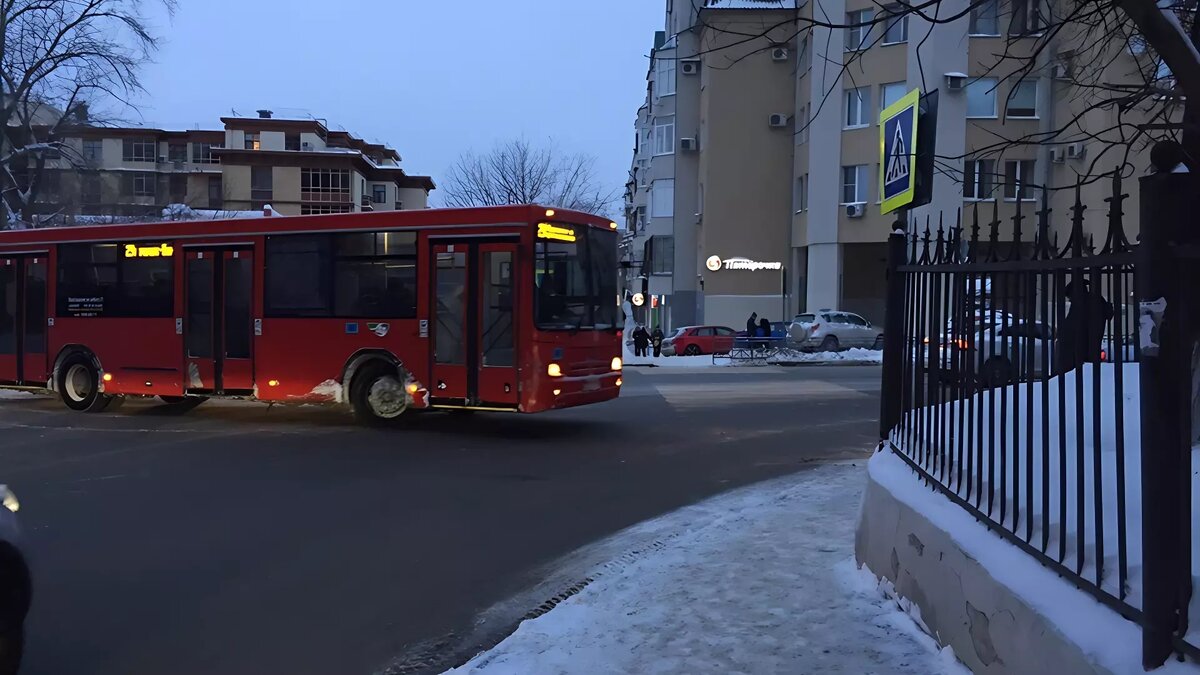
x: 79, y: 385
x: 377, y: 394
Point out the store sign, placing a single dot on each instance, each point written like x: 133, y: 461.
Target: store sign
x: 715, y: 263
x: 638, y: 299
x: 555, y: 232
x: 159, y: 251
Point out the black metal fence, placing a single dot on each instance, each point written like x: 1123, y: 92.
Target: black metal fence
x: 1012, y: 374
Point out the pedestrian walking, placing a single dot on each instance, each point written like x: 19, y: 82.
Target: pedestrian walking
x: 751, y: 328
x: 764, y: 331
x: 656, y: 339
x: 641, y: 339
x: 1081, y: 335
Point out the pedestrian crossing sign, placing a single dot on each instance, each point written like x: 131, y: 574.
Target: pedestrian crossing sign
x: 898, y: 152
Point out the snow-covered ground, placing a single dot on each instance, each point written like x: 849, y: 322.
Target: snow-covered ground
x: 760, y: 580
x: 863, y: 356
x: 13, y: 393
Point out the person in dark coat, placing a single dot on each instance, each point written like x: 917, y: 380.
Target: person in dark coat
x: 1080, y: 338
x: 656, y: 339
x: 640, y: 340
x: 764, y: 332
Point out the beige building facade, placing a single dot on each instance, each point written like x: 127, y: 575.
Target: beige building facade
x: 772, y: 151
x: 297, y: 166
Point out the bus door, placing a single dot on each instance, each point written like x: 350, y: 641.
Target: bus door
x: 473, y: 327
x: 217, y: 326
x: 23, y: 320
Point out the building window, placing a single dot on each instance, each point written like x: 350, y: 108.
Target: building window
x: 139, y: 184
x: 1019, y: 180
x: 90, y: 189
x: 325, y: 186
x: 662, y: 198
x: 93, y: 150
x: 291, y: 142
x: 216, y: 192
x: 985, y: 18
x: 891, y: 92
x: 261, y: 183
x: 139, y: 150
x: 177, y: 152
x: 1026, y: 19
x: 202, y: 153
x: 97, y: 280
x: 981, y: 97
x: 252, y: 141
x: 178, y: 187
x: 858, y: 102
x: 664, y: 75
x: 858, y: 30
x: 323, y: 209
x: 800, y: 199
x: 664, y: 135
x: 895, y: 22
x: 1022, y: 100
x: 854, y: 184
x: 978, y: 177
x: 662, y: 255
x: 379, y: 194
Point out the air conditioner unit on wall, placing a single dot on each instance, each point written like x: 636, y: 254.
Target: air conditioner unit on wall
x: 1056, y: 155
x: 688, y: 144
x: 1060, y: 71
x: 778, y: 120
x: 690, y: 67
x: 1076, y: 150
x: 779, y: 53
x: 855, y: 210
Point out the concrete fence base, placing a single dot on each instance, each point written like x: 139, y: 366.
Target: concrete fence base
x: 991, y: 629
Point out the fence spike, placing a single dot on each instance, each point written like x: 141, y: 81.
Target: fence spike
x: 925, y: 241
x: 1075, y: 242
x: 1042, y: 248
x: 956, y: 238
x: 973, y: 248
x: 994, y: 233
x: 1116, y: 241
x: 1014, y: 252
x: 940, y: 250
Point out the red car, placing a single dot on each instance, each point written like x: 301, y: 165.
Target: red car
x: 696, y: 340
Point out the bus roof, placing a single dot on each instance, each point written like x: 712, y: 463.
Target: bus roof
x: 386, y: 220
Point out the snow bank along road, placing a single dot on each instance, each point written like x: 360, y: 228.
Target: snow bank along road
x: 242, y: 540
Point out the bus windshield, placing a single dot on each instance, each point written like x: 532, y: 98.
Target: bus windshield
x: 577, y: 281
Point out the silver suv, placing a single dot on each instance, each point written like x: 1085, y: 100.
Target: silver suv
x: 829, y: 331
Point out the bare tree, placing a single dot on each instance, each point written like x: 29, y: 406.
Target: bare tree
x: 517, y: 172
x: 58, y: 58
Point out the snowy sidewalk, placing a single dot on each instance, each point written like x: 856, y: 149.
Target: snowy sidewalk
x: 760, y: 580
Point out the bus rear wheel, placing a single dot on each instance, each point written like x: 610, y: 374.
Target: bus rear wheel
x: 79, y: 385
x: 377, y: 394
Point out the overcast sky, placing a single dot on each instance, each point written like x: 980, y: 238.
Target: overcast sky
x: 432, y: 79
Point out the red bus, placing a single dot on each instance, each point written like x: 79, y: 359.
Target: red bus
x: 507, y: 308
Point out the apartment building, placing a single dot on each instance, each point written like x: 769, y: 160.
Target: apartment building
x: 298, y: 166
x: 755, y: 179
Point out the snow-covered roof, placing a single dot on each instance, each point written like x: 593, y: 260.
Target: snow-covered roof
x: 753, y: 4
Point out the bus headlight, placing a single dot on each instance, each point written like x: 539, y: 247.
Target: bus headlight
x: 617, y: 364
x: 554, y: 370
x: 8, y: 499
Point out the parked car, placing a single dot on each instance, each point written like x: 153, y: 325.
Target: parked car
x: 15, y: 586
x: 997, y: 355
x: 696, y: 340
x: 831, y: 331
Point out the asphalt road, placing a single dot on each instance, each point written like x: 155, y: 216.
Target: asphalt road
x: 241, y: 539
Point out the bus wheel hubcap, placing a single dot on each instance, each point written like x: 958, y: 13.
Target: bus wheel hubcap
x: 78, y: 382
x: 386, y: 397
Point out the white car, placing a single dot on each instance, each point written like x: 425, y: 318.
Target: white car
x: 998, y: 354
x: 831, y: 331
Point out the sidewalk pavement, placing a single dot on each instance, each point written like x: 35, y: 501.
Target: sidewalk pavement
x: 759, y: 580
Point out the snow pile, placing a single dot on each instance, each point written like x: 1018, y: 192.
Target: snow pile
x: 12, y: 394
x: 760, y: 580
x: 855, y: 355
x: 1102, y: 634
x: 1007, y: 456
